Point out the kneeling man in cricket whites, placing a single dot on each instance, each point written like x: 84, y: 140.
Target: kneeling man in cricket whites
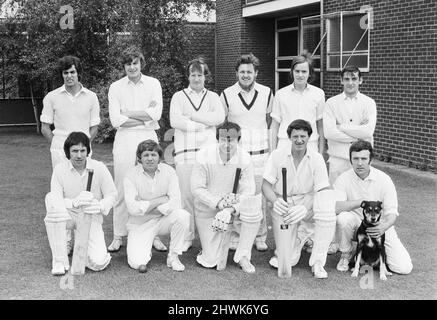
x: 223, y: 185
x: 153, y: 199
x: 303, y: 175
x: 82, y: 190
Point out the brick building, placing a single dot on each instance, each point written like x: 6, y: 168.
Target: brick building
x: 394, y: 42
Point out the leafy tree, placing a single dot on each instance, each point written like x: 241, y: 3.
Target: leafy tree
x: 155, y: 26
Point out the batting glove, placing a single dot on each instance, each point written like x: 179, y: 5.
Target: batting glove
x: 93, y: 208
x: 222, y: 220
x: 295, y: 214
x: 83, y: 199
x: 280, y: 207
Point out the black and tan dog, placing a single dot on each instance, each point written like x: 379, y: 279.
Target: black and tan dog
x: 370, y: 251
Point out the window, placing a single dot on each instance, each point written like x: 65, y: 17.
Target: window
x: 348, y: 40
x: 287, y: 47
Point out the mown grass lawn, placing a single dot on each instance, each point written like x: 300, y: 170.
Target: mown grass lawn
x: 25, y: 263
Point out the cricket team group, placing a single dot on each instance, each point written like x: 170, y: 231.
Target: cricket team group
x: 235, y: 155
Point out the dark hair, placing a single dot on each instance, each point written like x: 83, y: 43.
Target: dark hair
x: 148, y: 145
x: 350, y: 69
x: 196, y: 65
x: 76, y: 138
x: 226, y: 127
x: 67, y: 62
x: 360, y: 145
x: 247, y: 59
x: 299, y: 124
x: 130, y: 54
x: 305, y: 56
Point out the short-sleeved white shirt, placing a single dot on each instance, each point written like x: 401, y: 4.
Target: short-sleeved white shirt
x: 289, y: 105
x: 378, y: 186
x: 310, y: 176
x: 71, y: 113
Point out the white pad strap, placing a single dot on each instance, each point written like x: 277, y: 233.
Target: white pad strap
x: 324, y: 204
x: 250, y: 208
x: 56, y: 210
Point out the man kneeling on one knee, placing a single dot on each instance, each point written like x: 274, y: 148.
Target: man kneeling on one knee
x: 308, y: 198
x: 364, y: 182
x: 67, y: 198
x: 212, y: 183
x: 153, y: 199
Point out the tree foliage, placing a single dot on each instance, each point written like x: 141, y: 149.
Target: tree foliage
x: 154, y: 26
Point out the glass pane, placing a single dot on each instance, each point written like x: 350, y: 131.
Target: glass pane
x: 333, y: 61
x: 311, y: 35
x: 359, y: 61
x: 287, y: 43
x: 284, y: 79
x: 316, y: 63
x: 352, y: 32
x: 334, y: 35
x: 284, y: 64
x: 287, y: 23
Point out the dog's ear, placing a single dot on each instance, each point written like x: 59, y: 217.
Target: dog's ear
x: 363, y: 204
x: 379, y: 204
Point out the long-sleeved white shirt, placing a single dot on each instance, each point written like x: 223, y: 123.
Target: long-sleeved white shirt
x: 124, y: 95
x: 194, y: 118
x: 346, y: 120
x: 212, y: 179
x: 140, y: 188
x: 377, y: 186
x: 68, y: 183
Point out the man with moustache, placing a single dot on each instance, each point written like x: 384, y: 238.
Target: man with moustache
x: 248, y: 104
x: 135, y: 106
x: 194, y: 114
x: 71, y: 107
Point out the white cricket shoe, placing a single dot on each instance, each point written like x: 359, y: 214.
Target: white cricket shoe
x: 246, y: 265
x: 115, y: 245
x: 187, y: 245
x: 319, y: 271
x: 58, y: 269
x: 261, y: 246
x: 158, y: 245
x: 174, y: 263
x: 343, y: 264
x: 274, y: 262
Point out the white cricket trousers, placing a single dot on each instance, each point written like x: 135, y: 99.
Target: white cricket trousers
x: 183, y: 171
x: 140, y: 236
x: 398, y: 259
x: 336, y: 167
x: 124, y: 151
x: 210, y: 241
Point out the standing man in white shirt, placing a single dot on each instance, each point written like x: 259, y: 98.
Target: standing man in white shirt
x: 248, y: 104
x: 364, y: 182
x: 135, y: 106
x: 67, y: 197
x: 194, y: 114
x: 69, y: 108
x: 299, y: 100
x: 153, y: 199
x: 347, y: 117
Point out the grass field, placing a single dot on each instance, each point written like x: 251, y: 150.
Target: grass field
x: 25, y: 263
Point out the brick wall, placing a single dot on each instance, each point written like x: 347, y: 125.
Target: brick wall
x: 202, y: 44
x: 237, y: 36
x: 402, y: 78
